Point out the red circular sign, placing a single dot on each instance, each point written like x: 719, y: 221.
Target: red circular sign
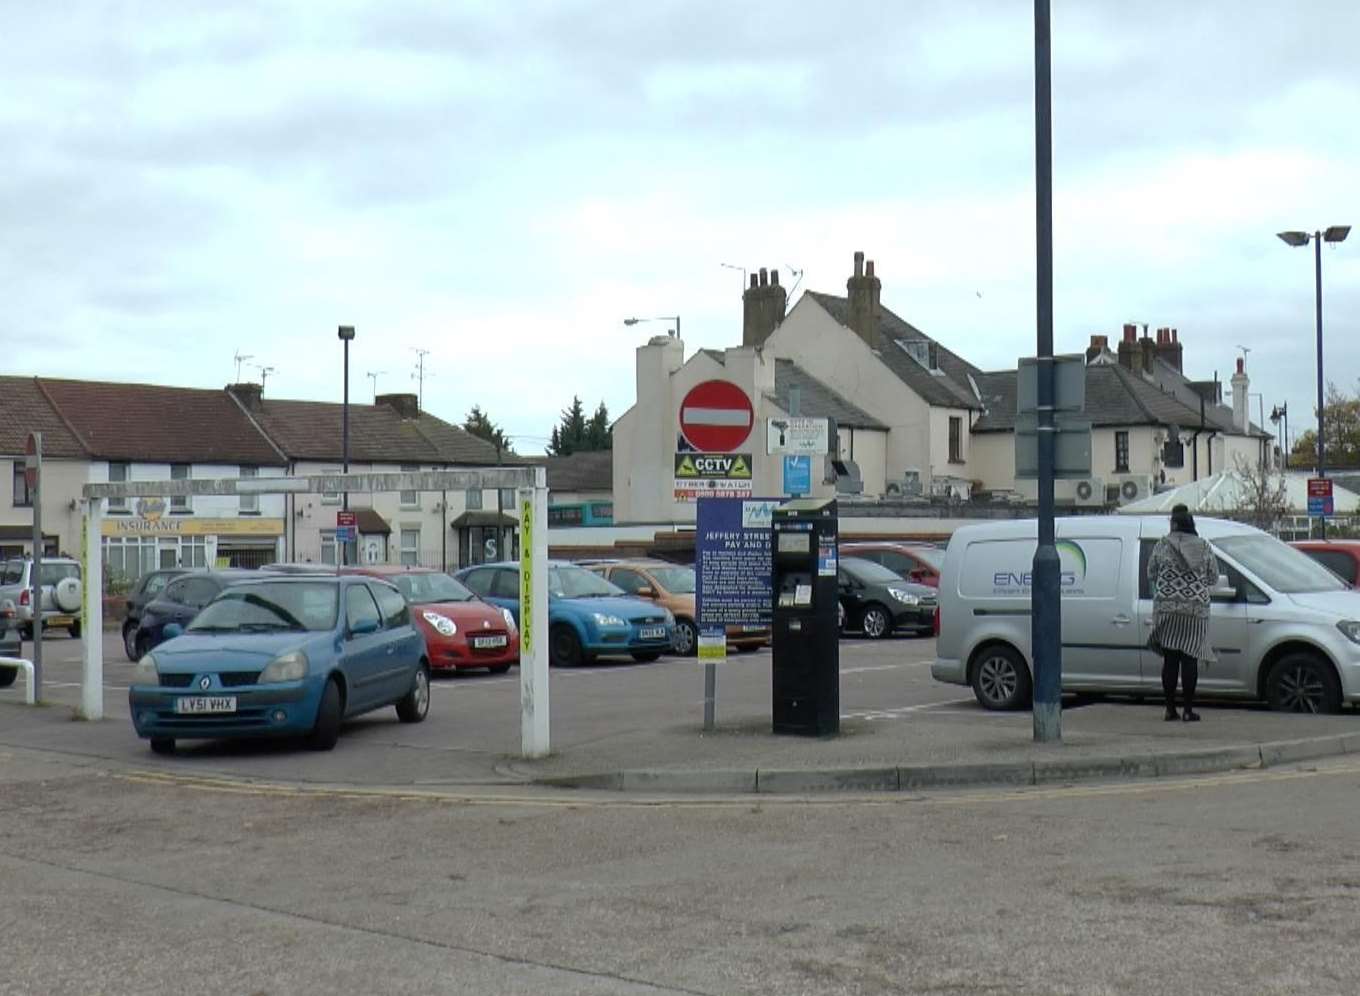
x: 716, y: 416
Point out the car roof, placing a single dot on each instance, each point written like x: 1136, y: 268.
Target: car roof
x: 1091, y: 526
x: 888, y: 544
x: 220, y: 573
x: 386, y: 570
x: 514, y: 565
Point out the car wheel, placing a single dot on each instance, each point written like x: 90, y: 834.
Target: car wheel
x: 686, y: 640
x: 26, y: 633
x: 74, y: 630
x: 874, y: 622
x: 1001, y: 679
x: 142, y: 644
x: 1303, y: 683
x: 130, y: 642
x: 564, y: 647
x: 7, y: 676
x: 326, y: 729
x: 647, y: 656
x: 162, y: 745
x: 499, y: 669
x: 416, y: 706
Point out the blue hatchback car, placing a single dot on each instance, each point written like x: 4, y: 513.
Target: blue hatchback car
x: 588, y: 617
x: 283, y: 656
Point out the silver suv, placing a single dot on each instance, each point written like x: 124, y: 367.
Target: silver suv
x: 60, y: 594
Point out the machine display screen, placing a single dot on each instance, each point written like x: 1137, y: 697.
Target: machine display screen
x: 795, y: 542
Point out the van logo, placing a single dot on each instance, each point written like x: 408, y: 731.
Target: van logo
x: 1072, y: 572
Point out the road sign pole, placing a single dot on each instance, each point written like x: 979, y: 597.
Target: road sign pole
x: 535, y: 734
x: 34, y: 481
x: 1046, y: 618
x: 92, y: 621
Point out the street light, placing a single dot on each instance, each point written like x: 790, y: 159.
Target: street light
x: 1278, y: 414
x: 346, y: 335
x: 658, y: 318
x: 1336, y: 233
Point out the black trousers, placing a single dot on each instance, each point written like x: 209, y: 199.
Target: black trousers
x: 1172, y: 661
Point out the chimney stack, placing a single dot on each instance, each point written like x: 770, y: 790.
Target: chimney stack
x: 1169, y: 349
x: 1241, y: 384
x: 1128, y: 347
x: 251, y: 396
x: 1100, y: 344
x: 863, y: 291
x: 405, y: 405
x: 762, y: 307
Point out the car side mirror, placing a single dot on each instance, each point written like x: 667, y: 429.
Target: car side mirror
x: 645, y: 592
x: 173, y: 630
x: 363, y: 627
x: 1224, y: 590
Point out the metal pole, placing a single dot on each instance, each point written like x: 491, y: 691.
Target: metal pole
x: 92, y: 622
x: 1046, y: 619
x: 35, y: 580
x: 1321, y: 445
x: 444, y: 530
x: 346, y: 334
x: 535, y: 736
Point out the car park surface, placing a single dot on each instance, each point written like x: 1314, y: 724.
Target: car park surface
x: 276, y: 657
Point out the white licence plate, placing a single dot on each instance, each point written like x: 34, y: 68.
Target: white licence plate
x: 652, y: 633
x: 206, y: 703
x: 486, y: 642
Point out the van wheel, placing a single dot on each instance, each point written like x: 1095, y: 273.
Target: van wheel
x: 1303, y: 683
x: 1000, y: 679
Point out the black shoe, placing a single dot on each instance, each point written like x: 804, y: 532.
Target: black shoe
x: 1171, y: 714
x: 1190, y: 716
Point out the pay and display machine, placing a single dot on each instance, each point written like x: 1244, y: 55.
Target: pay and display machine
x: 806, y: 636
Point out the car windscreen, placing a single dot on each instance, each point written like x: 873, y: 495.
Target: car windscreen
x: 1283, y: 568
x: 577, y: 582
x: 869, y: 572
x: 53, y: 573
x: 422, y: 589
x: 676, y: 580
x: 258, y: 608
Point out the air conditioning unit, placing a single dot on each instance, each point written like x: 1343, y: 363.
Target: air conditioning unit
x: 1132, y: 487
x: 950, y: 488
x: 908, y: 486
x: 1088, y: 492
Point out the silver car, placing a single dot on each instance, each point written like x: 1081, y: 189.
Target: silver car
x: 60, y: 593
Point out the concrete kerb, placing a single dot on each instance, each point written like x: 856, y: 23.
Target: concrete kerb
x: 905, y: 778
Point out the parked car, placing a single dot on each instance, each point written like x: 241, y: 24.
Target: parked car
x: 299, y: 569
x: 180, y: 602
x: 461, y: 631
x: 672, y: 586
x: 59, y: 588
x: 587, y: 616
x: 916, y: 562
x: 148, y: 586
x: 1284, y: 628
x: 283, y: 656
x: 9, y: 641
x: 876, y: 602
x: 1341, y: 557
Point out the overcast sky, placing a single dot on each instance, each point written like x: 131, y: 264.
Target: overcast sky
x: 502, y: 184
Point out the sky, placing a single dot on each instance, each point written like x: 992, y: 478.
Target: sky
x: 502, y: 184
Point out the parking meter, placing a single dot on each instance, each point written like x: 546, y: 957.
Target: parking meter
x: 806, y: 630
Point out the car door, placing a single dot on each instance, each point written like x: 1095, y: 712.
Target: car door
x: 1102, y: 644
x: 165, y: 608
x: 504, y: 590
x: 404, y: 646
x: 364, y: 655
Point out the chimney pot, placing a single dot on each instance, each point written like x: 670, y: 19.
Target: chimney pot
x: 405, y: 405
x: 1241, y: 365
x: 754, y: 280
x: 859, y: 264
x: 250, y: 395
x: 869, y: 268
x: 1130, y: 332
x: 764, y: 277
x: 774, y: 277
x: 1175, y: 336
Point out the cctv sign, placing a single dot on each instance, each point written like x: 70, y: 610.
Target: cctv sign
x: 798, y: 435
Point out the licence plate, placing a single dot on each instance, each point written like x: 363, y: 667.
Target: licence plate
x: 486, y: 642
x: 652, y: 633
x: 195, y: 704
x: 58, y: 620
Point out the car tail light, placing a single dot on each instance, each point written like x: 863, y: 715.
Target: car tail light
x: 24, y: 596
x: 937, y: 620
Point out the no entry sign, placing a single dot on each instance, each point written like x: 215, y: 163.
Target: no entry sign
x: 716, y: 416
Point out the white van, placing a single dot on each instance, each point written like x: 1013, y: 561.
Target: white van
x: 1284, y: 628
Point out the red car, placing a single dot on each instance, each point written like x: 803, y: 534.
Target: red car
x: 1341, y: 557
x: 461, y: 631
x: 911, y: 561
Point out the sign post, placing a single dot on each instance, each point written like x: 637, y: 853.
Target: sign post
x: 533, y: 617
x: 33, y: 478
x: 346, y: 527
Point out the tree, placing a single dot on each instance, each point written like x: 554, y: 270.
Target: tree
x: 599, y: 433
x: 480, y: 425
x: 577, y: 434
x: 1341, y: 423
x: 1262, y: 498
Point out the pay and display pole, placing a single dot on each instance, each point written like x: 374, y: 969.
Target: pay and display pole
x: 1046, y: 619
x: 33, y: 478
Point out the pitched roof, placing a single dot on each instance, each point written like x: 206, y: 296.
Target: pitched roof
x: 1220, y: 417
x: 24, y: 409
x: 816, y: 400
x: 149, y: 422
x: 312, y: 430
x: 946, y: 387
x: 592, y: 471
x: 1114, y: 396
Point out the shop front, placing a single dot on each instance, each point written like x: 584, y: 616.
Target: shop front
x: 149, y: 541
x: 485, y: 537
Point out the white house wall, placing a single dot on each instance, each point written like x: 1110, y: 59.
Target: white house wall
x: 61, y: 486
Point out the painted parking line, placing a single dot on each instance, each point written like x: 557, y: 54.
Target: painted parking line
x: 935, y: 708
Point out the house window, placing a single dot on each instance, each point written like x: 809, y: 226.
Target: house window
x: 955, y: 439
x: 473, y: 501
x: 1121, y: 452
x: 118, y: 474
x: 330, y: 497
x: 410, y: 499
x: 250, y: 504
x: 328, y: 547
x: 22, y: 499
x: 410, y: 547
x: 507, y: 496
x: 179, y: 504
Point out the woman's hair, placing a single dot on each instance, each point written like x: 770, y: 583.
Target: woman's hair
x: 1182, y: 521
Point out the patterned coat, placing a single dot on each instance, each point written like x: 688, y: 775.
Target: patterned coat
x: 1183, y: 571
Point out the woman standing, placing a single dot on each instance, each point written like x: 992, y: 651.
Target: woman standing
x: 1183, y: 571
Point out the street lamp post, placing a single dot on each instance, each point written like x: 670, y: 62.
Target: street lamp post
x: 346, y: 335
x: 1278, y: 414
x: 1336, y: 233
x: 658, y: 318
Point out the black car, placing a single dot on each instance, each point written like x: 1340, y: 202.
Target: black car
x: 150, y: 585
x: 876, y: 601
x: 180, y: 601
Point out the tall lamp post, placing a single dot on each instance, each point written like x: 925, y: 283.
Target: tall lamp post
x: 346, y: 335
x: 1278, y: 414
x: 659, y: 318
x: 1337, y: 233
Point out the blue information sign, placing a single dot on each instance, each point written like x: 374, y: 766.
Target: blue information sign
x: 798, y: 475
x: 732, y: 561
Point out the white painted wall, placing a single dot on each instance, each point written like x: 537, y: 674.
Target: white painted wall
x: 62, y: 483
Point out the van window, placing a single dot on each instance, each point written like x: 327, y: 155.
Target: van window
x: 1340, y: 564
x: 1281, y: 567
x: 1246, y: 591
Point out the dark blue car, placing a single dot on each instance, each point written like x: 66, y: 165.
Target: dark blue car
x: 283, y: 656
x: 588, y: 617
x: 179, y: 602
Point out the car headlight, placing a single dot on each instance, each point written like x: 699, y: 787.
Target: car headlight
x: 443, y: 625
x: 146, y: 672
x: 288, y: 667
x: 509, y: 620
x: 1351, y: 628
x: 904, y: 596
x: 670, y: 618
x: 603, y: 619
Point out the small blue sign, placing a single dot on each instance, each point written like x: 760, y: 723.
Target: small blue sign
x: 1318, y: 507
x: 346, y: 534
x: 798, y: 475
